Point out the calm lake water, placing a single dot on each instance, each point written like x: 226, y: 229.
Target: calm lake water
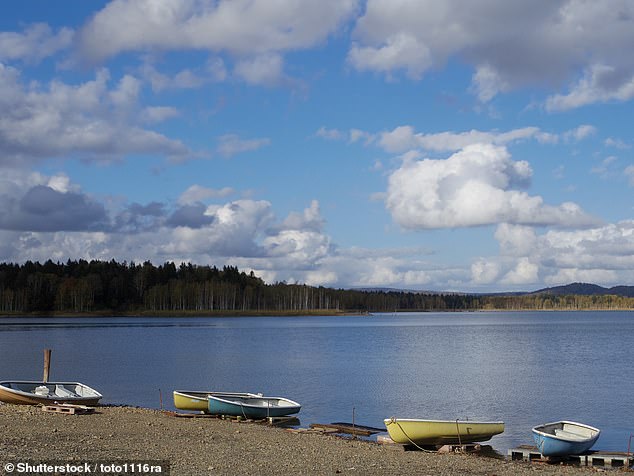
x: 523, y: 368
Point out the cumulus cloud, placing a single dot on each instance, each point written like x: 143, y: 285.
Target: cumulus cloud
x: 37, y: 42
x: 602, y: 255
x: 263, y: 69
x: 43, y: 208
x: 400, y: 51
x: 87, y: 120
x: 214, y: 71
x: 239, y: 27
x: 310, y: 219
x: 158, y: 114
x: 192, y: 216
x: 477, y: 186
x: 524, y: 272
x: 599, y: 84
x: 509, y: 45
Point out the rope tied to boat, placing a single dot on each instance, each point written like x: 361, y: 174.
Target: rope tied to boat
x: 394, y: 421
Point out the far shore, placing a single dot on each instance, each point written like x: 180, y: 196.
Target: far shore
x: 287, y: 313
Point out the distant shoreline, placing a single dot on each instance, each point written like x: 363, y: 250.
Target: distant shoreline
x: 189, y: 314
x: 323, y: 312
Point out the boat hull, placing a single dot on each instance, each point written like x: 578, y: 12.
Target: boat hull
x: 33, y: 393
x: 197, y: 400
x: 441, y: 432
x: 564, y: 438
x: 252, y: 407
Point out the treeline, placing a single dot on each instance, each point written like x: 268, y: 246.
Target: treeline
x: 127, y: 288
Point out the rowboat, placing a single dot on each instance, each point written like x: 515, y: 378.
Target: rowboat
x: 46, y: 393
x: 196, y: 400
x: 252, y: 406
x: 441, y: 432
x: 563, y: 438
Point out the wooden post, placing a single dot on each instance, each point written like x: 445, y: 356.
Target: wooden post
x: 47, y: 364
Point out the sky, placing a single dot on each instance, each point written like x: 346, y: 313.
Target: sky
x: 472, y: 146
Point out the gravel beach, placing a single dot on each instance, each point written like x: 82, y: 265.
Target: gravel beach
x: 208, y: 446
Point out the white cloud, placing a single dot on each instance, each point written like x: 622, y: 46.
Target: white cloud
x: 240, y: 27
x: 476, y: 186
x: 158, y: 114
x: 198, y: 193
x: 487, y: 83
x: 232, y: 144
x: 400, y: 51
x: 509, y: 45
x: 330, y: 134
x: 602, y: 255
x: 599, y: 84
x: 515, y: 240
x: 36, y: 43
x: 403, y: 138
x: 484, y: 271
x: 88, y: 120
x: 524, y: 272
x: 184, y: 79
x: 579, y: 133
x: 617, y: 143
x: 310, y: 219
x: 263, y: 69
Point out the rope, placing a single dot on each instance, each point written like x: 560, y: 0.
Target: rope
x: 393, y: 420
x: 458, y: 431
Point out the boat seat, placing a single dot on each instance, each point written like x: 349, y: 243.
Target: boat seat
x: 569, y: 436
x: 63, y: 392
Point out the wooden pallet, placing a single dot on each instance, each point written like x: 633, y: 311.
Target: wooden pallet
x: 67, y: 409
x: 190, y: 415
x: 346, y: 428
x: 591, y: 458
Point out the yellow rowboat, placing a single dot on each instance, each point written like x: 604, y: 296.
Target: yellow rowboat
x: 198, y: 400
x: 441, y: 432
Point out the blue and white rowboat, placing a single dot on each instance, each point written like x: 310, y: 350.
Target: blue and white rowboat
x: 563, y: 438
x: 252, y: 406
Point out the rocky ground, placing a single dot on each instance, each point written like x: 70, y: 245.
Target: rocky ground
x: 207, y: 446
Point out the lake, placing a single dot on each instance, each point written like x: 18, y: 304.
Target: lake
x: 524, y: 368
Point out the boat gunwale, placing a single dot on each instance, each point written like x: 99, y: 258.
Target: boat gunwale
x: 394, y: 419
x: 204, y: 394
x: 563, y: 438
x: 259, y: 397
x: 97, y: 395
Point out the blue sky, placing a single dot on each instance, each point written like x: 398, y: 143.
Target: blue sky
x: 466, y: 146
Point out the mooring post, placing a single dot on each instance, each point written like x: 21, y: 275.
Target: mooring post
x: 354, y: 433
x: 47, y: 364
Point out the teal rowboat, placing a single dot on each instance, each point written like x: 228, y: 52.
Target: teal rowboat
x: 252, y: 406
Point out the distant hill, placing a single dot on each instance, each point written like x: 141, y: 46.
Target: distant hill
x: 585, y: 289
x: 579, y: 289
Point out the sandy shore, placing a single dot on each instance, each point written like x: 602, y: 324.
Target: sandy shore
x: 206, y: 446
